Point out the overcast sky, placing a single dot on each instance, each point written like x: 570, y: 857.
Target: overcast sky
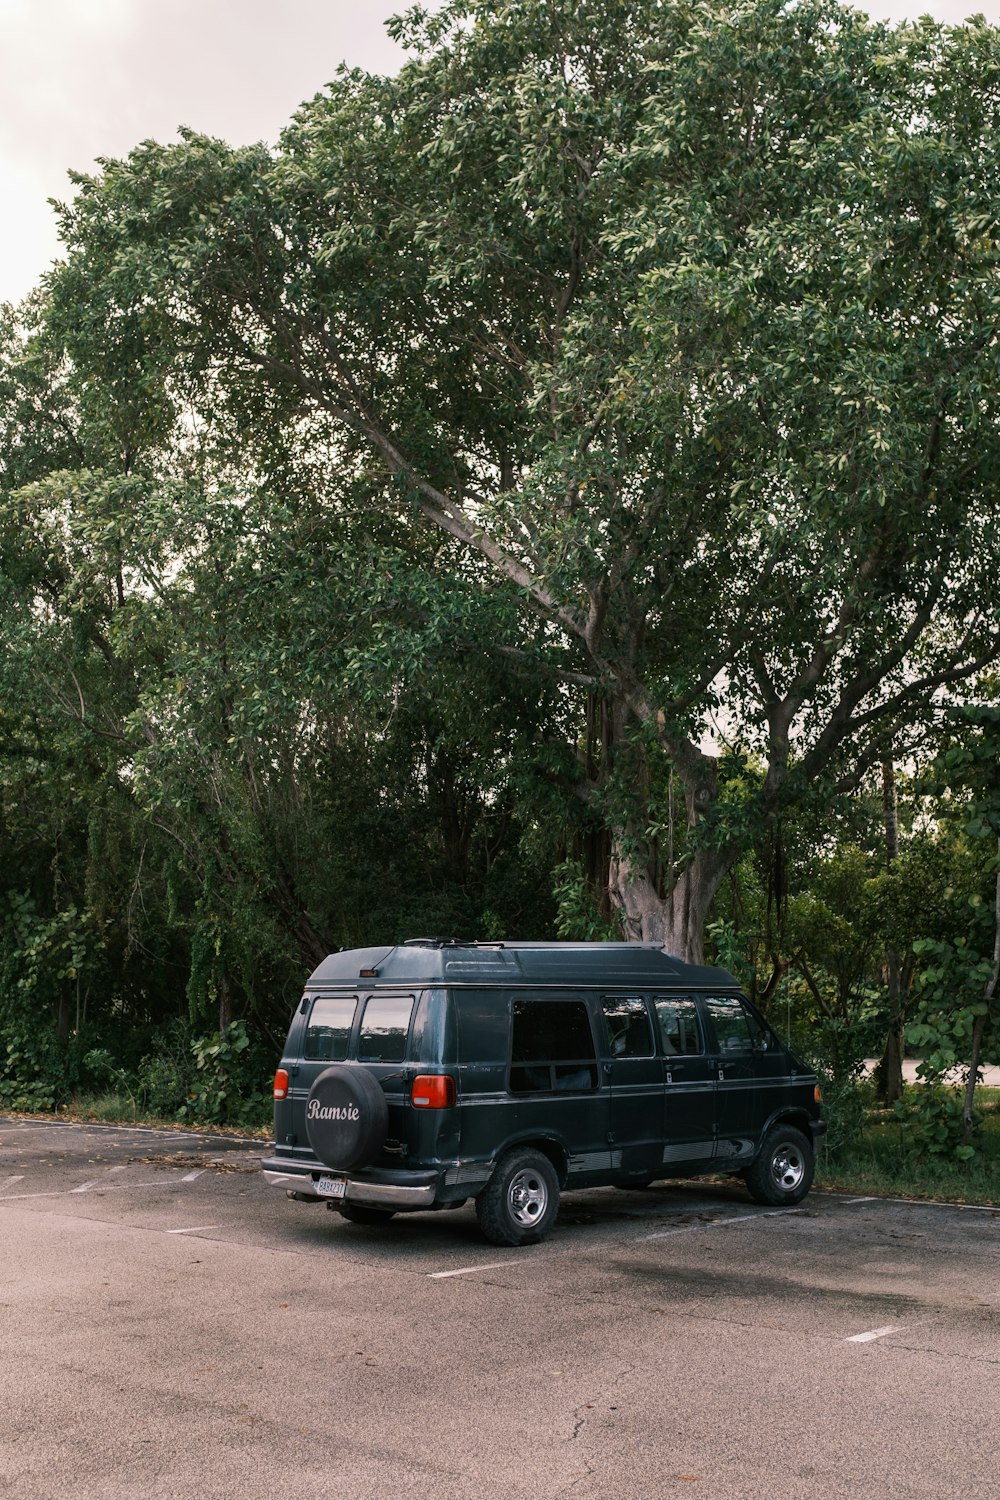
x: 86, y: 78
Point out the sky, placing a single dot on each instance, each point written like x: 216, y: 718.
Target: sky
x: 81, y: 79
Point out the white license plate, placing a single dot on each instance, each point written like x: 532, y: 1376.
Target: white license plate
x: 332, y: 1187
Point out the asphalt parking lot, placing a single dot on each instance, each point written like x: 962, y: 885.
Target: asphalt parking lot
x: 171, y: 1326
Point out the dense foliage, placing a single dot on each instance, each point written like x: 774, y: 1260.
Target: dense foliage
x: 550, y: 493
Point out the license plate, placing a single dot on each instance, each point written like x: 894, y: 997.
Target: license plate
x: 332, y: 1187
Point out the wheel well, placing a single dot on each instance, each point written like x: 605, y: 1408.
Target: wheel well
x: 796, y: 1117
x: 551, y: 1149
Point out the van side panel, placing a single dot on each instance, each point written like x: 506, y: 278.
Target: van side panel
x: 576, y: 1119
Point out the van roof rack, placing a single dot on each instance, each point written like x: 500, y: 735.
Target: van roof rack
x: 443, y: 942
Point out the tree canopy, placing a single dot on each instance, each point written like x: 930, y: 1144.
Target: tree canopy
x: 680, y: 320
x: 565, y: 469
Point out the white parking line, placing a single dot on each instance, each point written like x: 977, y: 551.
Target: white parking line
x: 874, y: 1333
x: 124, y: 1187
x: 85, y: 1126
x: 769, y: 1213
x: 190, y: 1176
x: 86, y: 1186
x: 467, y: 1270
x: 198, y: 1229
x: 663, y: 1234
x: 982, y: 1208
x: 11, y: 1180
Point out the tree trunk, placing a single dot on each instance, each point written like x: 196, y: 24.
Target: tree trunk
x: 979, y: 1027
x: 677, y: 919
x: 225, y: 1003
x: 889, y: 1073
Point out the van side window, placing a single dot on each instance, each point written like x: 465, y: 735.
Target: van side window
x: 328, y: 1029
x: 551, y: 1047
x: 384, y: 1028
x: 678, y: 1021
x: 736, y: 1030
x: 626, y: 1026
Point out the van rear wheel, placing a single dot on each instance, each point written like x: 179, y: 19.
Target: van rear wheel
x: 519, y: 1203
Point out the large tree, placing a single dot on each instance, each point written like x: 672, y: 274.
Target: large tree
x: 681, y: 320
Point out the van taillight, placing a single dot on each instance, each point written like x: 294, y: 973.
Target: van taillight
x: 433, y: 1091
x: 281, y: 1084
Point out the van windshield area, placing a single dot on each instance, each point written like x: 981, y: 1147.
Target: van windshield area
x: 552, y: 1047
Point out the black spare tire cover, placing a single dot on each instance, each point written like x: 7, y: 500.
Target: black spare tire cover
x: 346, y: 1117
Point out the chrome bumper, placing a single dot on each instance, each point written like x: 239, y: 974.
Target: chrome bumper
x: 299, y: 1182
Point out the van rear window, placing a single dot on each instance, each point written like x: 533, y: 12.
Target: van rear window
x: 551, y: 1047
x: 329, y: 1028
x: 384, y: 1028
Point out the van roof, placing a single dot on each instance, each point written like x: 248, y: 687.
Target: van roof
x: 446, y: 961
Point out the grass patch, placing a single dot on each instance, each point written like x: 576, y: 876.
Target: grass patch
x: 880, y: 1159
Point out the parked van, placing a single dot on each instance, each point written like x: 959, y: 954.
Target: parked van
x: 419, y: 1076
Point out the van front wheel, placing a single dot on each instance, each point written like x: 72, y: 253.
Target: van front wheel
x: 783, y: 1170
x: 519, y: 1203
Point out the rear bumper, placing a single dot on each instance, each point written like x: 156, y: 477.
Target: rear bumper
x: 373, y: 1188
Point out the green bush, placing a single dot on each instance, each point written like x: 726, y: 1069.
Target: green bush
x: 227, y: 1085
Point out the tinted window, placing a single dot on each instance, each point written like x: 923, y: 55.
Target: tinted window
x: 384, y: 1028
x: 678, y: 1022
x: 626, y: 1026
x: 328, y: 1030
x: 736, y: 1030
x: 551, y: 1046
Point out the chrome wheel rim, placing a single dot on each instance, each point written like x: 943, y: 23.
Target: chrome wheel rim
x: 527, y: 1197
x: 788, y: 1167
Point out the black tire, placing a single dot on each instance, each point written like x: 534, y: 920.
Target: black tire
x: 519, y: 1204
x: 782, y: 1171
x: 347, y: 1117
x: 357, y: 1213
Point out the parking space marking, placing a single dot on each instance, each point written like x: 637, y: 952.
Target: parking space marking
x: 190, y: 1176
x: 493, y: 1265
x: 122, y: 1187
x: 982, y: 1208
x: 873, y: 1333
x: 90, y: 1126
x: 10, y: 1181
x: 198, y: 1229
x: 86, y: 1186
x: 769, y: 1213
x: 467, y: 1270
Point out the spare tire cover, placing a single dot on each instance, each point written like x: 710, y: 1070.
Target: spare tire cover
x: 346, y: 1117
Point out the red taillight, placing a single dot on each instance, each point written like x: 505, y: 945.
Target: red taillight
x: 433, y: 1091
x: 281, y: 1084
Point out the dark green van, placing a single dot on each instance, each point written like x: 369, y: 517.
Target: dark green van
x: 419, y: 1076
